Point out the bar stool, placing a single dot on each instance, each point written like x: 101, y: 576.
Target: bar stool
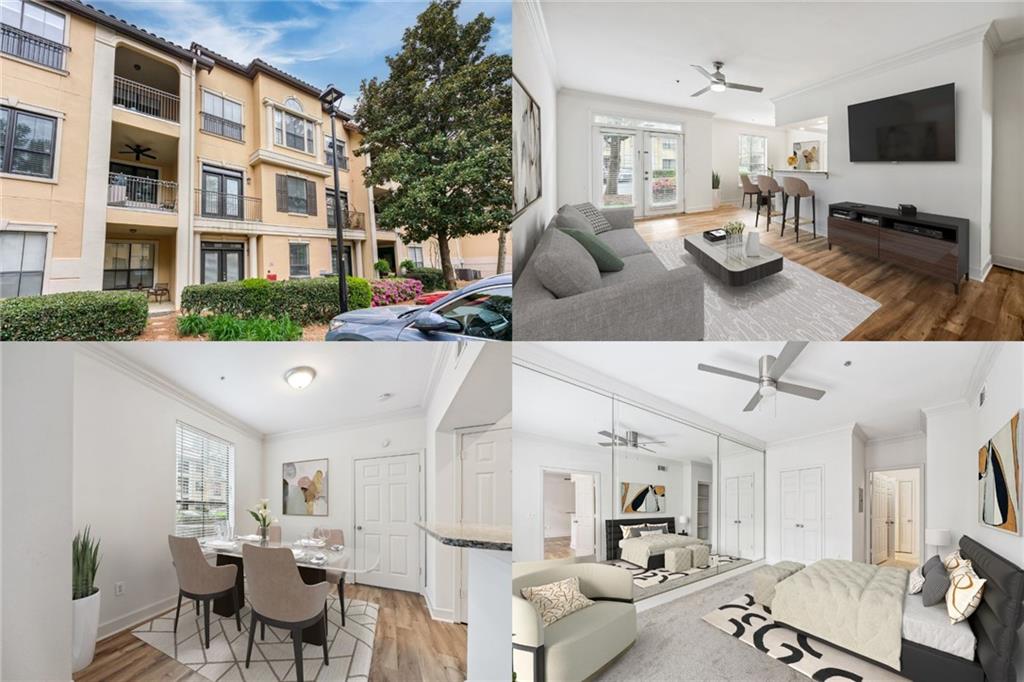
x: 767, y: 188
x: 749, y: 189
x: 798, y: 189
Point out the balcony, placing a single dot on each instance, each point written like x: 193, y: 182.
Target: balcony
x: 32, y: 48
x: 129, y: 191
x: 228, y: 206
x: 143, y: 99
x: 222, y: 126
x: 354, y: 220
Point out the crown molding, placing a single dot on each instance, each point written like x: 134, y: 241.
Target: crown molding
x: 970, y: 36
x: 884, y: 440
x: 959, y: 404
x: 348, y: 425
x: 853, y: 429
x: 535, y: 15
x: 1012, y: 47
x: 106, y: 354
x: 633, y: 107
x: 982, y: 368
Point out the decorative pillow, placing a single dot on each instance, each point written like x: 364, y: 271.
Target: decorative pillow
x: 650, y: 532
x: 594, y: 217
x: 964, y: 595
x: 936, y: 584
x: 660, y: 527
x: 633, y: 531
x: 953, y: 561
x: 964, y: 566
x: 556, y: 600
x: 571, y: 218
x: 606, y: 259
x: 916, y: 580
x: 930, y: 565
x: 564, y: 266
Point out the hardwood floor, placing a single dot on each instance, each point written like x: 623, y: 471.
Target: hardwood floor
x: 913, y: 307
x: 408, y: 645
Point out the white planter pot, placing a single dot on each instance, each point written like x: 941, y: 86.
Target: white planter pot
x: 716, y: 198
x: 85, y: 619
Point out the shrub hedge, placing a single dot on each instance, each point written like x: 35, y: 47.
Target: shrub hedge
x: 75, y: 316
x: 432, y: 278
x: 395, y: 290
x: 304, y: 301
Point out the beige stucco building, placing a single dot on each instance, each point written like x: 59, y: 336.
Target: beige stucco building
x: 131, y: 162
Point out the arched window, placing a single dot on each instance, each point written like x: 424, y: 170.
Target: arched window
x: 293, y: 104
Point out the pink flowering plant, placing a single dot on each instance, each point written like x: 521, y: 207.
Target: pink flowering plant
x: 395, y: 290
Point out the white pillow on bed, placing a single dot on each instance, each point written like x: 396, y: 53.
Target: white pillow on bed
x: 633, y: 531
x: 651, y: 532
x: 953, y: 561
x: 916, y: 581
x: 964, y: 595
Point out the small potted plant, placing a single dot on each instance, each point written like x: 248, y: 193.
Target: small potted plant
x: 262, y: 515
x: 734, y: 237
x: 85, y: 599
x: 716, y: 183
x: 382, y: 267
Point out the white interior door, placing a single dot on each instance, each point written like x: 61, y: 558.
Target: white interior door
x: 879, y: 550
x: 662, y: 181
x: 890, y: 519
x: 486, y: 459
x: 584, y: 521
x: 730, y: 539
x: 800, y: 492
x: 387, y: 491
x: 618, y: 169
x: 907, y: 503
x: 745, y: 515
x: 789, y: 495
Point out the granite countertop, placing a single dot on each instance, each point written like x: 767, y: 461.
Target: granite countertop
x: 800, y: 170
x: 470, y: 535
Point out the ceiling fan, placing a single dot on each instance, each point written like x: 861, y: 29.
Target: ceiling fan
x: 718, y: 82
x: 138, y: 150
x: 632, y: 439
x: 769, y: 370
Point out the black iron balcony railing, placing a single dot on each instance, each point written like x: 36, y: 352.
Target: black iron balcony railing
x: 129, y: 191
x: 228, y: 206
x: 222, y: 126
x: 145, y: 100
x: 354, y: 220
x: 33, y: 48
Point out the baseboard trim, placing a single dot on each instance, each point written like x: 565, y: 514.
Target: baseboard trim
x: 981, y: 274
x: 1011, y: 262
x: 443, y: 615
x: 136, y: 617
x: 699, y: 209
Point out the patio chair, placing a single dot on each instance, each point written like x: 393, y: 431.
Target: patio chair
x: 160, y: 289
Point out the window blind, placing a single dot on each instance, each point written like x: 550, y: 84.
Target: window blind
x: 205, y: 468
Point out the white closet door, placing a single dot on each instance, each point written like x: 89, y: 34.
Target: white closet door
x: 387, y: 508
x: 789, y: 496
x: 584, y: 524
x: 811, y: 523
x: 745, y: 514
x: 730, y: 544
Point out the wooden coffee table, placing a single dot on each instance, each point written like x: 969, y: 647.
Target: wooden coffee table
x: 735, y: 270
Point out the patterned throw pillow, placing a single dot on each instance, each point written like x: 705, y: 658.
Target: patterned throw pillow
x: 964, y: 595
x: 916, y: 580
x: 633, y: 531
x: 594, y: 217
x: 953, y: 561
x: 660, y: 527
x: 556, y: 600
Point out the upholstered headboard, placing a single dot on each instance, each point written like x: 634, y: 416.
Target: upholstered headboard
x: 1001, y: 612
x: 613, y: 532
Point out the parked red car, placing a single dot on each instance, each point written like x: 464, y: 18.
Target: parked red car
x: 433, y: 296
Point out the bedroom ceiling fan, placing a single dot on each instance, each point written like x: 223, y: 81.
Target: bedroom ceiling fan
x: 718, y: 82
x: 138, y: 150
x: 769, y: 370
x: 632, y: 439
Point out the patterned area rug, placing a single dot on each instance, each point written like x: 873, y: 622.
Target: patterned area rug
x: 752, y: 624
x: 349, y: 653
x: 649, y: 582
x: 796, y: 303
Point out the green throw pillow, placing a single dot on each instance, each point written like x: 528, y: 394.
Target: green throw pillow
x: 605, y: 258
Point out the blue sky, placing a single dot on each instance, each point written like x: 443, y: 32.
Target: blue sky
x: 320, y: 41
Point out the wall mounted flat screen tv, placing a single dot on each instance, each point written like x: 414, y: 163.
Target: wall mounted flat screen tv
x: 914, y: 126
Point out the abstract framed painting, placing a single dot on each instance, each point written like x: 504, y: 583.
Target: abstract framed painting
x: 642, y: 498
x: 999, y: 479
x: 304, y: 488
x: 526, y: 147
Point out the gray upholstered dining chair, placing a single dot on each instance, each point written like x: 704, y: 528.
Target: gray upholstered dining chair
x: 749, y: 189
x: 797, y: 189
x: 336, y: 536
x: 280, y: 598
x: 200, y: 581
x: 767, y: 189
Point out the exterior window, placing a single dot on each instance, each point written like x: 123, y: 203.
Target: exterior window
x: 22, y: 258
x: 330, y: 207
x: 297, y: 200
x: 484, y: 314
x: 293, y: 104
x: 128, y: 265
x: 26, y: 142
x: 329, y: 146
x: 416, y: 255
x: 32, y: 32
x: 348, y: 259
x: 298, y: 259
x: 296, y: 195
x: 204, y: 494
x: 753, y: 155
x: 222, y: 116
x: 293, y: 131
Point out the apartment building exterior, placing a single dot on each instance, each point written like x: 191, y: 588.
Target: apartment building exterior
x: 132, y: 162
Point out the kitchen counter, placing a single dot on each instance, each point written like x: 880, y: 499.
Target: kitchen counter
x: 470, y: 536
x: 801, y: 171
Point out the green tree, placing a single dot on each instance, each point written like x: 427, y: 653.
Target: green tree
x: 438, y: 130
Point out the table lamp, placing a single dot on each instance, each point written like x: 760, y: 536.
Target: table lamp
x: 937, y: 538
x: 683, y: 521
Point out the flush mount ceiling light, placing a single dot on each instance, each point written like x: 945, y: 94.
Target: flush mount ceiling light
x: 300, y: 377
x: 385, y: 396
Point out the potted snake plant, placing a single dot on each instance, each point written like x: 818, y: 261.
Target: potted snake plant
x: 716, y: 183
x: 85, y: 596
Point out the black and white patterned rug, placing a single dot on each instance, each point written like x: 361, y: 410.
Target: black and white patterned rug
x: 752, y: 624
x: 649, y: 582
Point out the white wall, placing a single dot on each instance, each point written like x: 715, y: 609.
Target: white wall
x: 833, y: 452
x: 859, y: 530
x: 901, y: 451
x: 1008, y: 149
x: 37, y: 526
x: 725, y: 152
x: 643, y: 469
x: 534, y: 69
x: 947, y: 188
x: 576, y: 148
x: 124, y: 459
x: 559, y: 502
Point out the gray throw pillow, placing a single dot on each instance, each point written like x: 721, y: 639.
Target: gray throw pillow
x: 936, y: 584
x: 594, y: 217
x: 570, y: 218
x: 931, y: 564
x: 564, y: 267
x: 606, y: 259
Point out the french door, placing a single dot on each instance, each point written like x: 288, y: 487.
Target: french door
x: 801, y: 495
x: 222, y: 262
x: 739, y: 516
x: 638, y: 169
x: 222, y: 194
x: 387, y: 494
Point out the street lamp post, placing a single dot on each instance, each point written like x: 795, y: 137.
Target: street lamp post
x: 330, y: 98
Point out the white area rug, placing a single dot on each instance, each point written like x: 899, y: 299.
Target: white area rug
x: 350, y: 651
x: 795, y: 304
x: 649, y: 582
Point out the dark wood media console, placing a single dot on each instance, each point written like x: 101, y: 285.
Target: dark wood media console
x: 931, y: 244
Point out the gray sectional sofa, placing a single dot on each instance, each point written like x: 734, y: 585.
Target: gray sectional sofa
x: 644, y: 301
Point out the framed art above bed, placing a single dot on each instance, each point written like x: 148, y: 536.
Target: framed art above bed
x: 999, y: 479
